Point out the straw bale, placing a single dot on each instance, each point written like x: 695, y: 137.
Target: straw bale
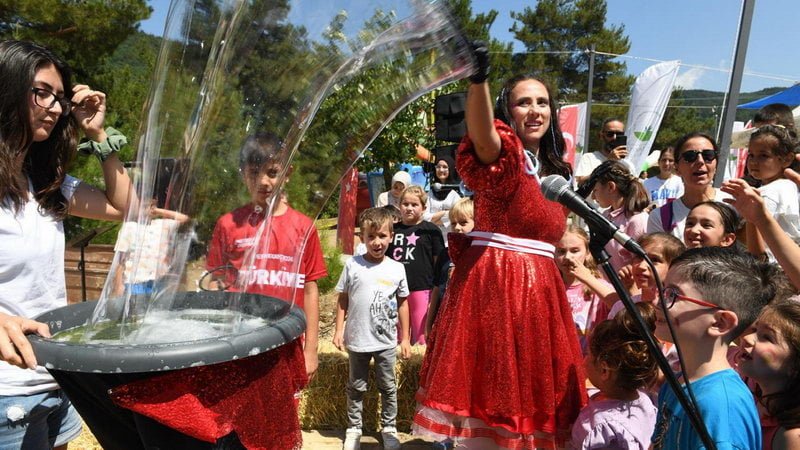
x: 86, y: 441
x: 324, y: 401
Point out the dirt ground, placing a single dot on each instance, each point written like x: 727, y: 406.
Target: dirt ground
x: 312, y: 440
x: 332, y: 439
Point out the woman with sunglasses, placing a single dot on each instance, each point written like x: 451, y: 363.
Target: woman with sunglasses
x: 40, y: 115
x: 696, y: 156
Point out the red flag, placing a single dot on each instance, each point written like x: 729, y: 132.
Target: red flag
x: 345, y: 229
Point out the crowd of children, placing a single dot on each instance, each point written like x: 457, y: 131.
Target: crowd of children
x: 506, y: 312
x: 721, y: 297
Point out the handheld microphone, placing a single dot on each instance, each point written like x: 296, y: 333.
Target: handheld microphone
x: 557, y: 189
x: 439, y: 186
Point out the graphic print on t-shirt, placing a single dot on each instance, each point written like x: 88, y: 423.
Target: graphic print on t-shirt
x: 383, y: 313
x: 404, y: 246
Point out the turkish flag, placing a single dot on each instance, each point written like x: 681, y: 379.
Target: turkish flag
x: 570, y: 119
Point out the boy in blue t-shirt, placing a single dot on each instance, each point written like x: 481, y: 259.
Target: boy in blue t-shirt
x: 712, y: 295
x: 372, y: 297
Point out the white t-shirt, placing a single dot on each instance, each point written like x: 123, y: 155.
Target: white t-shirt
x: 386, y: 198
x: 662, y: 190
x: 435, y: 205
x: 372, y: 290
x: 588, y: 162
x: 148, y: 259
x: 781, y: 200
x: 31, y: 279
x: 679, y: 213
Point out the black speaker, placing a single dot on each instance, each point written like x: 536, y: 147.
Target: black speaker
x: 449, y: 112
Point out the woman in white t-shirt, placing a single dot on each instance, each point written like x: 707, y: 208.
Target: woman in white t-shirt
x: 667, y: 186
x: 696, y: 156
x: 40, y: 114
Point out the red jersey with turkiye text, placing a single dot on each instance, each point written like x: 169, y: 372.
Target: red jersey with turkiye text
x: 275, y: 271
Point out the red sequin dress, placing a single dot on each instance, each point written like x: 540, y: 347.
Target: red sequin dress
x: 503, y: 366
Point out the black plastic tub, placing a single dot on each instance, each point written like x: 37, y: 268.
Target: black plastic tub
x: 286, y: 323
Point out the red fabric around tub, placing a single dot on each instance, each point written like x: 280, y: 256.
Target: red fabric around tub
x: 254, y: 397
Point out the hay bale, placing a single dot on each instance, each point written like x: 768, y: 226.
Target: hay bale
x: 86, y: 441
x: 324, y: 401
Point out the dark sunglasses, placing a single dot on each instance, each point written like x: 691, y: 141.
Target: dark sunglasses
x: 613, y: 134
x: 690, y: 156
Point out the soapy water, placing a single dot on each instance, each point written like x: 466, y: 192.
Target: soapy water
x: 168, y: 327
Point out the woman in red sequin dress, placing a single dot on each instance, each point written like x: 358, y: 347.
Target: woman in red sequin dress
x: 504, y: 367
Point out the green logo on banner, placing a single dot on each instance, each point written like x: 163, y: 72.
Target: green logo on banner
x: 644, y: 135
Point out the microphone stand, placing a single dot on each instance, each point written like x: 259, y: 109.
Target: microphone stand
x: 597, y: 243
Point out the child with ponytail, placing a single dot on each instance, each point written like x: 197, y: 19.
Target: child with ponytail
x: 625, y: 200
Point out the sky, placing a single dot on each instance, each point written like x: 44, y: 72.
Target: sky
x: 699, y: 33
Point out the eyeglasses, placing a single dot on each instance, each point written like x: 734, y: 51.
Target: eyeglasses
x: 690, y: 156
x: 671, y: 295
x: 612, y: 134
x: 46, y: 99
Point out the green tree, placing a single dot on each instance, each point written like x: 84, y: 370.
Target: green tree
x: 86, y: 34
x: 83, y: 32
x: 557, y: 35
x: 125, y: 78
x: 679, y: 120
x: 414, y: 124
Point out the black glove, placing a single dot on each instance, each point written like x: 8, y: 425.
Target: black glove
x: 480, y: 51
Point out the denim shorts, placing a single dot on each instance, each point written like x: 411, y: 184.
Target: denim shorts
x: 37, y: 421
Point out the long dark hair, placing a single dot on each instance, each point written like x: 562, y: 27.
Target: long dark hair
x: 552, y: 145
x: 43, y: 162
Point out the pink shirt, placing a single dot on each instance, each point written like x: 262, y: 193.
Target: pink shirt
x: 584, y: 310
x: 633, y: 226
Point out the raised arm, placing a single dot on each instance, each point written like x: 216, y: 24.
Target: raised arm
x: 479, y: 112
x: 480, y: 123
x: 89, y: 201
x: 750, y: 205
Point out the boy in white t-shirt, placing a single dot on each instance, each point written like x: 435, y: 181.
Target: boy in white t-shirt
x: 372, y: 297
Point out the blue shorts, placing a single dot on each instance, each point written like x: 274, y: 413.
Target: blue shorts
x: 37, y: 421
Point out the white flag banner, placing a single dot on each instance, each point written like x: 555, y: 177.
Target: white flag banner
x: 649, y: 99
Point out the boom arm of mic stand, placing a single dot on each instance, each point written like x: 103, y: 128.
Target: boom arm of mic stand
x: 597, y: 244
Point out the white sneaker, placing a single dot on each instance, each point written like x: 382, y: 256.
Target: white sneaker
x: 352, y: 439
x: 390, y: 439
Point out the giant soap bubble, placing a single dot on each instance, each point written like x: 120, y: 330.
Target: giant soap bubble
x: 293, y: 90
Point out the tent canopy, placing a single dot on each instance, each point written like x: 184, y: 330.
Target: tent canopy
x: 790, y: 97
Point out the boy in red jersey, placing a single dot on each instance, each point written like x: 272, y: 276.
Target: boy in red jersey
x: 275, y: 269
